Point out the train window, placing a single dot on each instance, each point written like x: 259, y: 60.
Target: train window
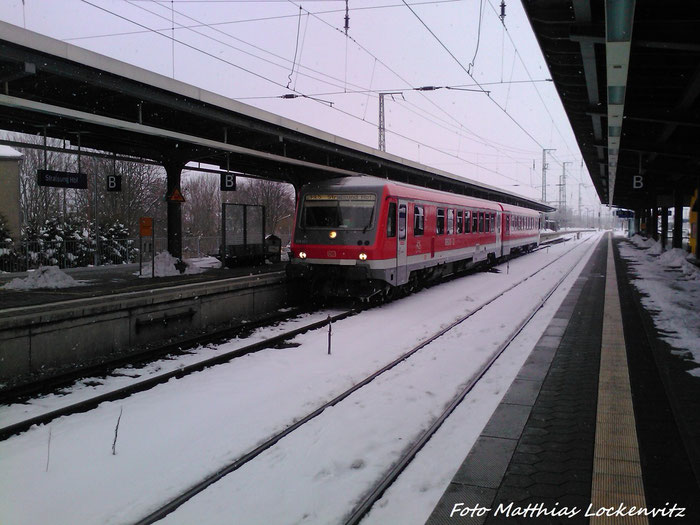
x: 493, y: 222
x: 351, y: 211
x: 391, y: 220
x: 418, y: 220
x: 507, y: 223
x: 402, y: 221
x: 450, y: 221
x: 460, y: 221
x: 481, y: 222
x: 440, y: 221
x: 475, y: 222
x: 487, y: 222
x: 467, y: 221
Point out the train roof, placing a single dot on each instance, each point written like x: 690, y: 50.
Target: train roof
x: 368, y: 183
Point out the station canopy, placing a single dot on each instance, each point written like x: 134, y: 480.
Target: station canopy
x: 67, y: 92
x: 628, y: 74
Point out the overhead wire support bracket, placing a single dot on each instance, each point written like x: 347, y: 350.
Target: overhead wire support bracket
x: 485, y: 91
x: 297, y: 95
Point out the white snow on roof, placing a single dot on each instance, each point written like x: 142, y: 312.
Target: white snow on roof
x: 6, y: 152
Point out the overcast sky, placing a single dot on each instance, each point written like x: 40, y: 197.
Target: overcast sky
x: 256, y: 51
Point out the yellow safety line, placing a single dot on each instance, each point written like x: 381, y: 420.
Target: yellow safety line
x: 617, y: 474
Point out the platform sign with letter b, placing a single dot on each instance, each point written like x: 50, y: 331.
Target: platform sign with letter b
x: 228, y: 182
x: 114, y: 183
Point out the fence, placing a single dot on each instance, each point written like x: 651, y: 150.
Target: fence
x: 74, y: 253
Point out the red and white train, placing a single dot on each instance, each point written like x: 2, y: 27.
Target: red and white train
x: 359, y: 236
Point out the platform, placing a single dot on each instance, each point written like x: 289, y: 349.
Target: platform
x: 110, y: 280
x: 603, y: 416
x: 115, y: 314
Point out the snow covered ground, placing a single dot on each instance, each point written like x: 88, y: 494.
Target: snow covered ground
x: 174, y: 435
x: 90, y: 387
x: 670, y: 285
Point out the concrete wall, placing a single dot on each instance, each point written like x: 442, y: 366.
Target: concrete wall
x: 43, y: 341
x: 9, y: 189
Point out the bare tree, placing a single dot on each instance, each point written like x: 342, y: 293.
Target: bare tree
x: 142, y: 193
x: 202, y: 211
x: 39, y: 203
x: 278, y: 199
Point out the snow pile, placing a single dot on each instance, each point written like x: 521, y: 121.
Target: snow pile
x: 205, y: 262
x: 677, y: 258
x: 655, y: 248
x: 669, y: 297
x: 641, y: 242
x: 44, y: 277
x: 165, y: 267
x: 674, y: 258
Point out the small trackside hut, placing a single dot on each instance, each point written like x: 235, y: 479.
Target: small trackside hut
x: 361, y: 236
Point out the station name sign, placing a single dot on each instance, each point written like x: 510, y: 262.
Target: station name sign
x: 62, y: 179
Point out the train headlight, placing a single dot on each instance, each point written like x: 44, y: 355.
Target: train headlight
x: 302, y: 255
x: 333, y: 235
x: 363, y: 256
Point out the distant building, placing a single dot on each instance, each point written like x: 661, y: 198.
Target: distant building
x: 9, y: 189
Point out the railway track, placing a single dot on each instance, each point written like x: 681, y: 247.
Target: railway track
x: 23, y: 393
x: 376, y: 492
x: 150, y: 382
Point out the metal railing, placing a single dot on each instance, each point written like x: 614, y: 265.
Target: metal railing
x: 75, y: 253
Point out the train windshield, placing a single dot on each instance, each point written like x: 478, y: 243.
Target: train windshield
x: 350, y: 211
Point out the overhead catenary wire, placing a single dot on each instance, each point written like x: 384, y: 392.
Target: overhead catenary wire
x: 449, y: 115
x: 301, y: 50
x: 484, y: 142
x: 471, y: 76
x: 339, y: 81
x: 262, y: 77
x: 211, y: 25
x: 527, y: 71
x: 296, y: 49
x: 478, y: 35
x: 249, y: 20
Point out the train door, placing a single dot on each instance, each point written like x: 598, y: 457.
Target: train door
x: 499, y: 236
x: 402, y: 245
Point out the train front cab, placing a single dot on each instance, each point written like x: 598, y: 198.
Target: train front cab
x: 334, y: 245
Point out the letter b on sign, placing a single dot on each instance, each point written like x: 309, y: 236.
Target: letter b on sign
x: 637, y: 182
x: 228, y: 182
x: 114, y: 183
